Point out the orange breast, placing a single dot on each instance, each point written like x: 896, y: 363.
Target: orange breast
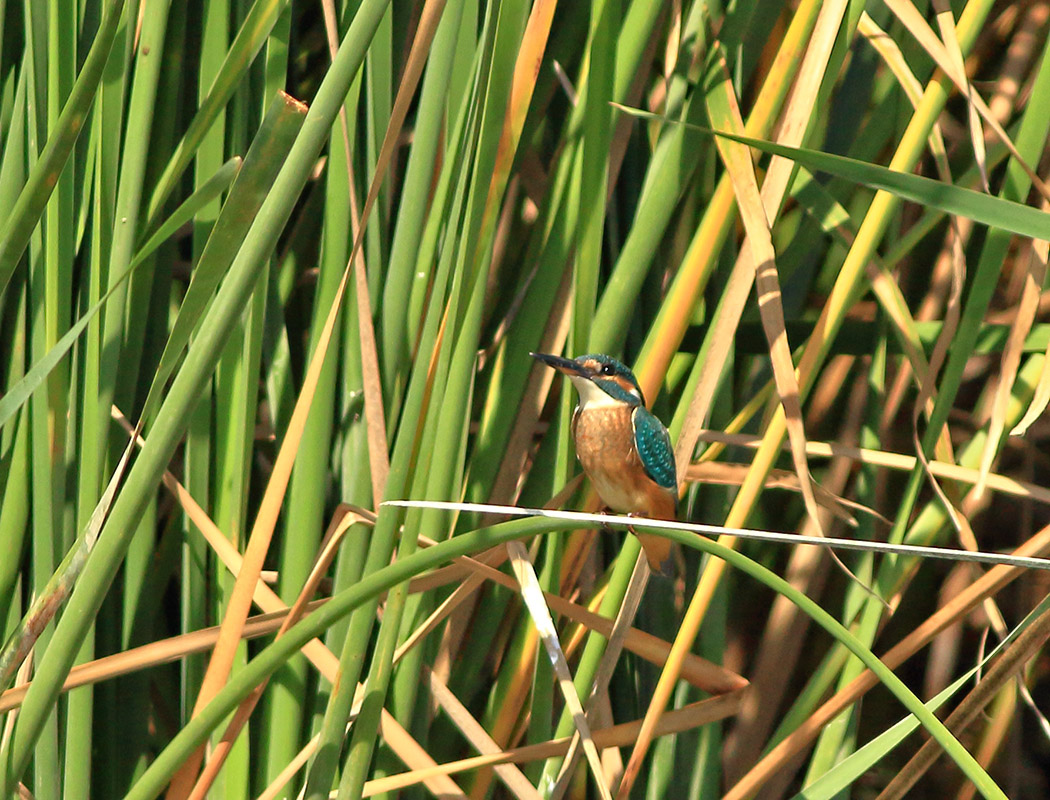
x: 606, y: 449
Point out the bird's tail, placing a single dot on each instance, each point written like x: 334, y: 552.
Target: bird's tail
x: 657, y: 551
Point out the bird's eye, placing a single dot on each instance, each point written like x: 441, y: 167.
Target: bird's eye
x: 608, y: 369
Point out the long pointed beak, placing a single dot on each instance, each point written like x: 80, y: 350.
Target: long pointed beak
x: 566, y: 365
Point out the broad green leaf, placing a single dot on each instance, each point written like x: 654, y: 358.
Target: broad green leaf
x: 992, y: 211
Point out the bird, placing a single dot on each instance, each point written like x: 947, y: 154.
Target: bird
x: 624, y: 449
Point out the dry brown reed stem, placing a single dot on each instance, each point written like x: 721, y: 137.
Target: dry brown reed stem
x: 1017, y: 654
x: 513, y: 778
x: 996, y: 733
x: 797, y: 741
x: 896, y: 461
x: 151, y: 655
x: 399, y: 740
x: 785, y: 630
x: 691, y: 716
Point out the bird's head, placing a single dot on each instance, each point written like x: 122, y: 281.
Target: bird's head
x: 600, y: 379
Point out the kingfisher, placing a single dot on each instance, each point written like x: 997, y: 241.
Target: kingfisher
x: 624, y: 450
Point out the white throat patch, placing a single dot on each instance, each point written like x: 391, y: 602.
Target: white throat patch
x: 592, y: 395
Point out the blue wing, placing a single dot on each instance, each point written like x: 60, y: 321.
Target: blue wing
x: 654, y: 447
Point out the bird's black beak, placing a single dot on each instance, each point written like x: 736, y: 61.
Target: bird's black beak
x: 566, y: 365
